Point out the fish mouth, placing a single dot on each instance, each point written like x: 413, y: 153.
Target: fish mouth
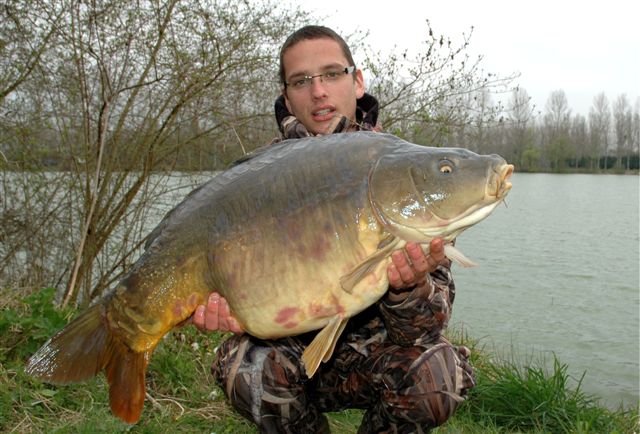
x: 498, y: 186
x: 501, y: 184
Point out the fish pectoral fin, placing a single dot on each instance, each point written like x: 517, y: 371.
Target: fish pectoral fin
x: 458, y: 257
x: 322, y: 346
x: 350, y: 280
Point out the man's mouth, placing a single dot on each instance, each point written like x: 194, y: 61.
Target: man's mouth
x: 323, y: 114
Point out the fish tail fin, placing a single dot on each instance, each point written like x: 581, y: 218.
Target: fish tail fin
x: 74, y: 354
x: 125, y: 372
x: 85, y: 347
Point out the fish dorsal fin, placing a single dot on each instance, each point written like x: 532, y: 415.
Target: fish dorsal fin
x: 322, y: 346
x: 458, y: 257
x: 349, y: 280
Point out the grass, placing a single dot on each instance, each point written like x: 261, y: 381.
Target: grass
x: 512, y: 397
x: 182, y: 396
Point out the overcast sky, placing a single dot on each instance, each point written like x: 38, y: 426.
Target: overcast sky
x: 582, y: 47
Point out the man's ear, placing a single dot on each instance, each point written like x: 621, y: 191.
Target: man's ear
x: 359, y: 83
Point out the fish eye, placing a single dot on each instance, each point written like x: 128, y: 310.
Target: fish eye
x: 445, y: 166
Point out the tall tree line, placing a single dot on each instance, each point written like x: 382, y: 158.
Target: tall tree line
x: 556, y: 140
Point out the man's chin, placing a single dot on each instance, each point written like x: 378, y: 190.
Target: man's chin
x: 317, y: 128
x: 328, y: 126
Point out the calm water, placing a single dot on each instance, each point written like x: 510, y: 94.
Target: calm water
x: 559, y: 273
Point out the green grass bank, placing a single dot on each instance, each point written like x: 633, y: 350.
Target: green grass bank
x: 182, y: 397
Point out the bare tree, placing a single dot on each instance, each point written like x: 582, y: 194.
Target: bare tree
x: 622, y: 125
x: 556, y: 122
x: 520, y: 136
x: 124, y: 91
x: 635, y: 131
x: 427, y: 95
x: 599, y: 126
x: 31, y: 202
x: 26, y: 31
x: 579, y: 138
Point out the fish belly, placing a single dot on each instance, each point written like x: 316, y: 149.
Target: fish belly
x: 281, y: 276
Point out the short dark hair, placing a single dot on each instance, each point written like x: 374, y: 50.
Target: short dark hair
x: 312, y: 32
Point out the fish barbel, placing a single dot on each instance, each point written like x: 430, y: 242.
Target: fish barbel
x: 297, y: 238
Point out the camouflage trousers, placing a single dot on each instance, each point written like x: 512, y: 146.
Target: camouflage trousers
x: 402, y: 389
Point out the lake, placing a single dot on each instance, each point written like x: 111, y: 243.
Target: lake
x: 559, y: 273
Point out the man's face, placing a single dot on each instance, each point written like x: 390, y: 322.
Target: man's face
x: 317, y: 104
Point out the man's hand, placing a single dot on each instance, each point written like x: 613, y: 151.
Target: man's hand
x: 215, y: 316
x: 409, y: 267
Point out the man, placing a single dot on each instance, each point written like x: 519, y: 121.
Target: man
x: 391, y: 359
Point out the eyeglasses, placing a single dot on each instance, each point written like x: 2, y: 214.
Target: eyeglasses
x: 326, y: 77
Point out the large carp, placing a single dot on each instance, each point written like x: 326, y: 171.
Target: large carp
x: 296, y: 238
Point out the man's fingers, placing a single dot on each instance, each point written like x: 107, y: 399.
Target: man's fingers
x: 224, y: 316
x: 394, y: 277
x: 234, y: 325
x: 403, y: 266
x: 436, y: 249
x: 198, y: 317
x: 216, y: 315
x: 223, y: 308
x: 211, y: 316
x: 420, y: 263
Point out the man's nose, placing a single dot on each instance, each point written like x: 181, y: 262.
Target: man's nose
x: 318, y: 87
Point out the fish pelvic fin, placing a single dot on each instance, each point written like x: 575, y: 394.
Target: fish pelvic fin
x: 85, y: 347
x: 351, y: 279
x: 322, y: 346
x: 457, y: 256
